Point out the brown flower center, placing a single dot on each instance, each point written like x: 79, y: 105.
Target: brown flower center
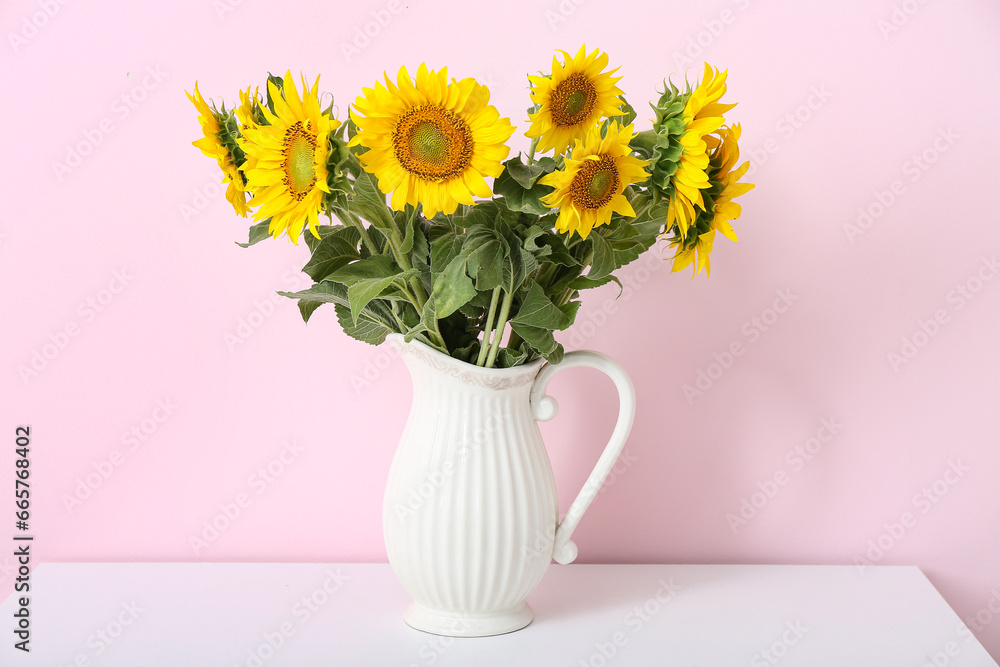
x: 596, y: 183
x: 573, y: 100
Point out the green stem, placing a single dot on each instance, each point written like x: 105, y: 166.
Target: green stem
x: 489, y: 327
x: 399, y: 322
x: 357, y: 223
x: 501, y: 325
x: 531, y: 151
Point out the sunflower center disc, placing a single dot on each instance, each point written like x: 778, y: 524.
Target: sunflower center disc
x: 300, y: 154
x: 432, y: 143
x: 429, y: 143
x: 573, y: 100
x: 595, y: 184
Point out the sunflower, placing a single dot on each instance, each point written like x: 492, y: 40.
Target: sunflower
x: 219, y: 142
x: 697, y: 252
x: 725, y: 155
x: 249, y: 111
x: 430, y: 143
x: 590, y: 187
x: 286, y: 158
x: 572, y: 99
x: 723, y: 187
x: 683, y: 121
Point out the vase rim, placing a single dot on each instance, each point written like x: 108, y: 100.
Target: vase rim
x: 397, y: 339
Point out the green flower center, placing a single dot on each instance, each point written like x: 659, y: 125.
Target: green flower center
x: 596, y: 183
x: 429, y: 143
x: 432, y: 143
x: 300, y: 155
x: 573, y: 100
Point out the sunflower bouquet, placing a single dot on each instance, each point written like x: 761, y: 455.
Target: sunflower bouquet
x: 415, y: 240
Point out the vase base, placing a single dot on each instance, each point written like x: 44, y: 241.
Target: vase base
x: 459, y: 624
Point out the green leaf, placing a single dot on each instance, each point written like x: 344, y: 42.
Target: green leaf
x: 337, y: 249
x: 518, y: 198
x: 324, y: 292
x: 258, y: 233
x: 486, y: 251
x: 558, y: 253
x: 306, y: 309
x: 507, y: 358
x: 324, y: 231
x: 369, y: 201
x: 627, y: 251
x: 628, y: 113
x: 586, y: 282
x: 537, y: 310
x: 362, y: 292
x: 421, y: 249
x: 428, y: 318
x: 569, y: 309
x: 377, y: 266
x: 527, y: 175
x: 453, y: 288
x: 513, y: 263
x: 603, y: 262
x: 403, y: 219
x: 541, y: 341
x: 373, y: 323
x: 556, y: 355
x: 369, y: 329
x: 445, y: 246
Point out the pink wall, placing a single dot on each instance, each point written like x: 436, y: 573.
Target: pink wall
x: 838, y: 103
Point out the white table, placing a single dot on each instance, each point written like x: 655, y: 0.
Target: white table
x: 301, y: 615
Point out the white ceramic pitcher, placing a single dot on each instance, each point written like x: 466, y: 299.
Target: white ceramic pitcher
x: 470, y: 514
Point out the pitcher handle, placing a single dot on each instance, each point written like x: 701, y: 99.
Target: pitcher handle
x: 544, y: 407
